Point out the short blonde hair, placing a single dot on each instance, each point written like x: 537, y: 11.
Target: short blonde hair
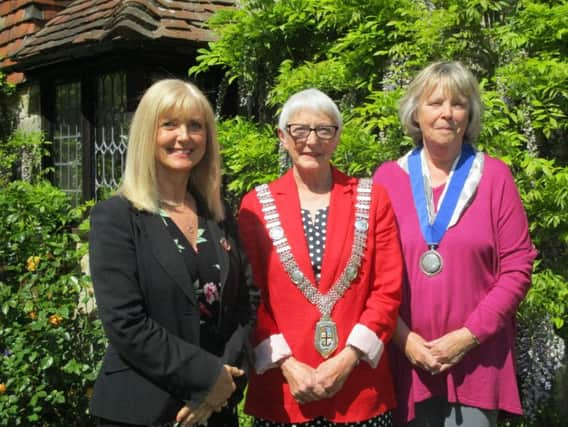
x: 455, y: 78
x: 139, y: 181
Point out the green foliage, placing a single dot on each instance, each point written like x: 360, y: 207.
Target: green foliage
x: 20, y: 144
x: 329, y: 76
x: 249, y: 153
x: 548, y: 295
x: 49, y: 343
x: 7, y: 112
x: 5, y: 87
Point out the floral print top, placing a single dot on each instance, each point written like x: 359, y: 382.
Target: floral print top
x: 204, y: 270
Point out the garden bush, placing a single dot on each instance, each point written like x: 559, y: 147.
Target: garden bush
x: 50, y: 342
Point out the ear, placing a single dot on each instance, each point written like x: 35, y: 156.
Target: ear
x: 282, y: 138
x: 414, y: 116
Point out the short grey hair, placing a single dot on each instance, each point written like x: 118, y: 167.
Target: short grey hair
x: 455, y: 78
x: 312, y: 100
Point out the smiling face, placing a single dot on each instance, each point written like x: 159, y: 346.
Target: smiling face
x: 181, y: 142
x: 443, y: 117
x: 312, y: 152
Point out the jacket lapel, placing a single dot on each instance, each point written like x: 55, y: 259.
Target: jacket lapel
x: 166, y: 253
x: 217, y: 236
x: 339, y: 231
x: 287, y: 201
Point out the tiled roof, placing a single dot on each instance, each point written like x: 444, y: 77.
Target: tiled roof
x: 87, y: 23
x: 20, y: 19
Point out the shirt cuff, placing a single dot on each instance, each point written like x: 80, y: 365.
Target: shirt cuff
x: 269, y: 352
x: 367, y: 342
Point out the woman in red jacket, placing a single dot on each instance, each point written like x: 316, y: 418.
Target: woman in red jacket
x: 325, y: 255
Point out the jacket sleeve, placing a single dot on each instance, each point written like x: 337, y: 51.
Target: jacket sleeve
x: 182, y: 369
x: 237, y: 348
x: 378, y: 319
x: 268, y: 342
x: 516, y: 255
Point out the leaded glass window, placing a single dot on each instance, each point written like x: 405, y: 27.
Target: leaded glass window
x: 66, y: 135
x: 111, y: 131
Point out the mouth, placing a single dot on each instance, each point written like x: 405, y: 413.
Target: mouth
x: 184, y: 151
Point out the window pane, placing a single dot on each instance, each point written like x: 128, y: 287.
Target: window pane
x: 111, y: 131
x: 67, y: 155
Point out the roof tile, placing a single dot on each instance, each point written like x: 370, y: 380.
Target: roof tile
x: 87, y: 21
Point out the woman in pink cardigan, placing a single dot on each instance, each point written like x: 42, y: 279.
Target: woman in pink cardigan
x: 468, y: 259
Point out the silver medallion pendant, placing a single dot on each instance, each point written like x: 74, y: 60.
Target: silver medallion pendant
x: 326, y: 339
x: 431, y: 262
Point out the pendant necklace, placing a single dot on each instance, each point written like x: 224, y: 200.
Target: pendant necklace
x: 434, y: 226
x: 325, y: 338
x: 190, y: 228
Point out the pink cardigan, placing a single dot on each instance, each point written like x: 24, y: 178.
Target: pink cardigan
x: 488, y: 257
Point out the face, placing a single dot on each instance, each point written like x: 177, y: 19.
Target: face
x: 180, y: 142
x: 443, y: 118
x: 310, y: 151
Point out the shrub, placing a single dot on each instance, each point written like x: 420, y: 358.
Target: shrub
x: 50, y: 344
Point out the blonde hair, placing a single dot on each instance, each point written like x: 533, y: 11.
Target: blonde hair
x: 139, y: 181
x: 454, y: 78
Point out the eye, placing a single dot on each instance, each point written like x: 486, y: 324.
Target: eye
x: 299, y: 131
x: 326, y: 132
x: 194, y: 126
x: 168, y: 124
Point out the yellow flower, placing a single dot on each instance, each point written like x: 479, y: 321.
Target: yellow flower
x: 32, y: 263
x: 33, y: 315
x: 2, y: 388
x: 55, y: 319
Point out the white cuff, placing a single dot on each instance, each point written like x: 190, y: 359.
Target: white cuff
x: 367, y: 342
x: 269, y: 352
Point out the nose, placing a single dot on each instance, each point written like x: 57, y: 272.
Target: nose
x: 447, y: 109
x: 312, y: 137
x: 183, y: 132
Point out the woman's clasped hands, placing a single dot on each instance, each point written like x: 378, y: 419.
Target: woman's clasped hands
x: 309, y: 384
x: 441, y: 354
x: 215, y: 401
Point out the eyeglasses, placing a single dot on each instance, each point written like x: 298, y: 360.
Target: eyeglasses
x: 302, y: 132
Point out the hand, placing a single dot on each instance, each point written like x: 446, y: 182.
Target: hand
x: 419, y: 354
x: 331, y: 374
x: 449, y: 349
x: 223, y: 387
x: 188, y: 417
x: 301, y: 379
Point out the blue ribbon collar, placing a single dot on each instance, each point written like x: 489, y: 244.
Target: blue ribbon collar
x: 434, y: 231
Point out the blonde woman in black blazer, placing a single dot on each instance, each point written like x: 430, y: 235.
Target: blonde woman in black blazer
x: 168, y: 274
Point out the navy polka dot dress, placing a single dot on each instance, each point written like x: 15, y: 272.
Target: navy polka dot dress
x: 315, y: 236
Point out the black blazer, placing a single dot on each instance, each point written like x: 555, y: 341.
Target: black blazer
x: 150, y: 314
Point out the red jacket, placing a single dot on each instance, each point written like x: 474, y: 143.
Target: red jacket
x: 372, y: 300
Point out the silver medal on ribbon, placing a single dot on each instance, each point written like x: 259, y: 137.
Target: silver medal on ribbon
x: 431, y: 262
